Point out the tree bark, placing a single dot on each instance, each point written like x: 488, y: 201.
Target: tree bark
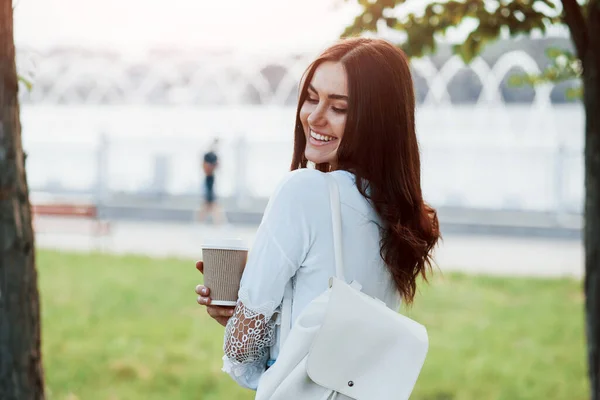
x: 575, y: 20
x: 591, y: 85
x: 21, y: 373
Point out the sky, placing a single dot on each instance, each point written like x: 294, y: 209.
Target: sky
x: 135, y: 25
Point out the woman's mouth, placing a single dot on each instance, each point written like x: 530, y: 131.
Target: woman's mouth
x: 318, y: 139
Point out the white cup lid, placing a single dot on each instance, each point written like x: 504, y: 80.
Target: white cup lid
x: 225, y: 244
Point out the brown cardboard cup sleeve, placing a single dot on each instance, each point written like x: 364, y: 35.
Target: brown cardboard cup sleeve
x: 224, y: 262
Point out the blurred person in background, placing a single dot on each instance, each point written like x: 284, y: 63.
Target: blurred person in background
x: 356, y: 122
x: 210, y: 163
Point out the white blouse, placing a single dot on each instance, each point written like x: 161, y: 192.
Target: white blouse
x: 294, y: 244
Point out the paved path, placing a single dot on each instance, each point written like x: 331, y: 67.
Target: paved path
x: 497, y: 255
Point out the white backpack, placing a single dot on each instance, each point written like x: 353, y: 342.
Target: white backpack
x: 345, y: 344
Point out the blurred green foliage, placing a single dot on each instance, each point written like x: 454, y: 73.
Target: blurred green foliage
x: 486, y: 21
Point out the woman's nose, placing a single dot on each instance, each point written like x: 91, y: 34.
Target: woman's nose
x: 316, y: 117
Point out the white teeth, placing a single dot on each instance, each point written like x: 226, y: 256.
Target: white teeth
x: 321, y: 137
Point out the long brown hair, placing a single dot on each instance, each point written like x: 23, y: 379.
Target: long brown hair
x: 380, y: 147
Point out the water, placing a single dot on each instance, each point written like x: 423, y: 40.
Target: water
x: 515, y: 157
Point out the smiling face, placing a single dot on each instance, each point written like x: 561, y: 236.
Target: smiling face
x: 323, y: 114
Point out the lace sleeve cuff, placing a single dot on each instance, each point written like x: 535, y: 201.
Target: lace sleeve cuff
x: 249, y: 335
x: 246, y: 375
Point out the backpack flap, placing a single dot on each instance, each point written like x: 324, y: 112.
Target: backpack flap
x: 365, y: 350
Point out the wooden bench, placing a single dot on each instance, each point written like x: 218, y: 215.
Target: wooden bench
x: 100, y: 227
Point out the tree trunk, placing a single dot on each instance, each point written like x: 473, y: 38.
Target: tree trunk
x: 591, y: 84
x: 21, y: 374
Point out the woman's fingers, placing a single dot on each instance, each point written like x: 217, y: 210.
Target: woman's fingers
x: 204, y: 295
x: 200, y: 266
x: 221, y: 314
x: 219, y: 311
x: 202, y: 290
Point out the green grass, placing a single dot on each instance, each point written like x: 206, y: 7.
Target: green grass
x: 121, y: 328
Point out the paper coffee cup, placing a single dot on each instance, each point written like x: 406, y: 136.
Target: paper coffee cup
x: 224, y: 262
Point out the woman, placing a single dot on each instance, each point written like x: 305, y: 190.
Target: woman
x: 356, y: 121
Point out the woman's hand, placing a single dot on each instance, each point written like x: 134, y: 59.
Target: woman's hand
x: 220, y: 313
